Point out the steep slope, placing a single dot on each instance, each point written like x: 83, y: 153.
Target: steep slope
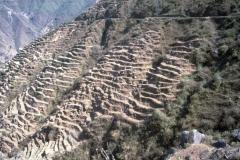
x: 25, y: 20
x: 114, y: 82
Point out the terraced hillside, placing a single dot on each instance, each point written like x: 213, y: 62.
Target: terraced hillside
x: 111, y: 66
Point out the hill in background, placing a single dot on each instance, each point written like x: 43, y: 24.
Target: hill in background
x: 25, y: 20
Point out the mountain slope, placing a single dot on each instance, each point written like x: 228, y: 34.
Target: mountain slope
x: 25, y: 20
x: 122, y: 82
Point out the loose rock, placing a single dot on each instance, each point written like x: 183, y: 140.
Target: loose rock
x: 236, y: 134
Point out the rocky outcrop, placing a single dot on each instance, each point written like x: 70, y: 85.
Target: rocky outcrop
x: 194, y: 151
x: 204, y: 152
x: 192, y: 137
x: 227, y: 153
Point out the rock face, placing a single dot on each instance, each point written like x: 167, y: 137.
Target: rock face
x: 108, y: 65
x: 25, y: 20
x: 192, y: 137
